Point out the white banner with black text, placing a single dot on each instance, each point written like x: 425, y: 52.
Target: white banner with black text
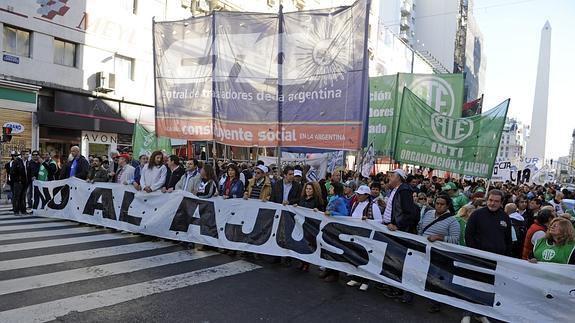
x: 501, y: 287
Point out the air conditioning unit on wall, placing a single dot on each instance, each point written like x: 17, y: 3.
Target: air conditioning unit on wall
x: 105, y: 82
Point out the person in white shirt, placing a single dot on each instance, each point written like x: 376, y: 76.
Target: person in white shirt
x: 125, y: 171
x: 365, y: 209
x: 154, y: 173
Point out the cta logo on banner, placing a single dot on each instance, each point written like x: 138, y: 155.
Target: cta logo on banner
x: 466, y: 146
x: 228, y: 84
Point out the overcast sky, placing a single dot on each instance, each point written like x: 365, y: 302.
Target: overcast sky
x: 511, y: 31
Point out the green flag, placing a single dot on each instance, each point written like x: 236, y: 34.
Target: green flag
x: 145, y: 142
x: 466, y: 146
x: 382, y: 98
x: 444, y: 92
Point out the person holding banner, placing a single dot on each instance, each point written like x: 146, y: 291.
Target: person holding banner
x: 207, y: 187
x: 537, y: 230
x: 310, y: 199
x: 286, y: 191
x: 558, y: 245
x: 154, y: 173
x: 190, y: 181
x: 337, y: 206
x: 260, y: 186
x: 232, y: 186
x: 138, y: 171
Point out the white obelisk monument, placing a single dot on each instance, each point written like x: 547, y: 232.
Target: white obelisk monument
x: 538, y: 131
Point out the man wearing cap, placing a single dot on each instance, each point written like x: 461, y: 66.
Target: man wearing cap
x: 349, y: 188
x: 298, y: 176
x: 125, y: 173
x: 363, y: 209
x: 459, y: 199
x: 259, y: 186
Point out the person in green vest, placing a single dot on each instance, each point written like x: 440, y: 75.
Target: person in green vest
x: 462, y: 217
x: 42, y: 173
x: 558, y: 245
x: 459, y: 199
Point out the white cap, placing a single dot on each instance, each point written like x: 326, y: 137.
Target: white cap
x: 297, y: 172
x: 263, y: 168
x: 399, y: 172
x: 363, y: 189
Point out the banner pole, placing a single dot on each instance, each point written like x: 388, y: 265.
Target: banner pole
x: 280, y: 80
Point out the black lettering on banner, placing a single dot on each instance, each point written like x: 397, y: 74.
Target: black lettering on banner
x: 308, y: 244
x: 395, y: 254
x: 442, y: 270
x: 124, y: 216
x: 353, y: 253
x: 185, y: 216
x: 43, y: 196
x: 106, y: 206
x: 259, y: 235
x: 65, y: 197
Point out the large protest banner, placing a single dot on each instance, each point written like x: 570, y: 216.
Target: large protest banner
x: 245, y: 79
x: 429, y: 138
x: 443, y: 92
x: 485, y: 283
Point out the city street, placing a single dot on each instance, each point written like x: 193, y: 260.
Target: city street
x: 56, y: 270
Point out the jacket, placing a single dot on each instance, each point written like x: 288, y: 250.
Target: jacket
x: 18, y: 172
x: 51, y: 167
x: 99, y: 175
x: 173, y: 176
x: 82, y: 168
x: 193, y: 180
x: 236, y: 190
x: 337, y: 206
x: 32, y: 170
x: 527, y: 244
x: 489, y: 231
x: 127, y: 175
x: 265, y: 193
x: 404, y: 212
x: 278, y: 192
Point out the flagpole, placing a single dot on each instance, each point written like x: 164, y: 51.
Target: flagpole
x: 280, y: 80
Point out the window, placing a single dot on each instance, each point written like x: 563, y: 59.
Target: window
x: 124, y: 67
x: 64, y: 53
x: 16, y: 41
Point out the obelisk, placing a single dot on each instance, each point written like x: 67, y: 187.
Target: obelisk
x: 538, y: 131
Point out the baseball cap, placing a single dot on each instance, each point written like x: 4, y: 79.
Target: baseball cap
x: 125, y: 156
x: 263, y: 168
x: 363, y: 189
x: 350, y: 184
x: 297, y: 172
x: 449, y: 186
x: 399, y: 172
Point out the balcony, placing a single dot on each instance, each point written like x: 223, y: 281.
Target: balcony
x: 406, y: 8
x: 404, y: 23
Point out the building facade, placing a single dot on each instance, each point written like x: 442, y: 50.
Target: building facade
x: 513, y: 141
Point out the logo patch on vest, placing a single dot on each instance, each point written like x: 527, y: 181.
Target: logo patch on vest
x: 548, y: 254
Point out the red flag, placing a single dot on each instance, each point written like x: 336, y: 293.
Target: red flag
x: 472, y: 108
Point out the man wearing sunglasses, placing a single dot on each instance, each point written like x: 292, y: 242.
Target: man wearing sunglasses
x: 32, y: 170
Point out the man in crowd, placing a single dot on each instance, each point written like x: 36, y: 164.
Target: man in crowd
x: 138, y: 171
x: 97, y: 173
x: 286, y: 191
x: 400, y: 214
x: 50, y: 165
x: 19, y: 181
x: 32, y: 170
x: 557, y: 203
x: 175, y: 172
x: 79, y: 165
x: 518, y: 229
x: 113, y: 168
x: 190, y: 181
x: 260, y: 186
x: 125, y: 174
x: 335, y: 178
x: 534, y: 208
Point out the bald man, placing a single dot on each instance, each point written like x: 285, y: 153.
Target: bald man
x: 79, y: 166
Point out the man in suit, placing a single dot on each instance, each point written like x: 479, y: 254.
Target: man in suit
x: 19, y: 179
x: 286, y: 191
x: 125, y: 171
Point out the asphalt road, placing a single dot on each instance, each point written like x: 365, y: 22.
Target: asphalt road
x: 55, y: 270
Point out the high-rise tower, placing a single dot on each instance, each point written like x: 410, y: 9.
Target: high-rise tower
x: 536, y: 143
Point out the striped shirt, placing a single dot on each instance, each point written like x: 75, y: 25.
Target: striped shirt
x: 257, y: 188
x: 448, y: 228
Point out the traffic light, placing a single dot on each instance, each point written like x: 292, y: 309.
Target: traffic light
x: 6, y: 134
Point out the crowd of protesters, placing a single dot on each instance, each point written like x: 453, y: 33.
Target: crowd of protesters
x: 530, y: 222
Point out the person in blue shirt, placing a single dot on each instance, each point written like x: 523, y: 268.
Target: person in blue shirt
x: 79, y: 166
x: 338, y: 204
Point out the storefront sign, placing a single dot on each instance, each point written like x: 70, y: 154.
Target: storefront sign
x: 11, y: 59
x: 99, y: 137
x: 16, y: 127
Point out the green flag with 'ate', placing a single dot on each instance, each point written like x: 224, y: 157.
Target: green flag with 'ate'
x: 432, y: 139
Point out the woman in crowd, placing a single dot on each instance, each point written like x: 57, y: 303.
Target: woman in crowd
x: 207, y: 187
x: 440, y: 225
x: 537, y: 230
x: 311, y: 199
x: 558, y: 245
x: 232, y: 187
x: 154, y: 173
x: 337, y: 206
